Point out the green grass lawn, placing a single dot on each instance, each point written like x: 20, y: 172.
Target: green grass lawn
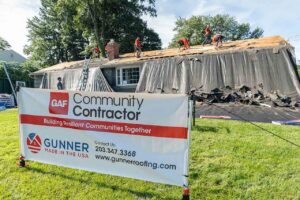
x: 229, y: 160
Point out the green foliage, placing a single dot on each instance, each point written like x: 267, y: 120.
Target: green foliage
x: 229, y: 160
x: 19, y: 72
x: 118, y: 19
x: 3, y: 44
x: 52, y: 34
x: 226, y: 25
x: 66, y: 30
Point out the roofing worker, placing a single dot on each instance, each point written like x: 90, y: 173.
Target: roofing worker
x: 183, y: 42
x: 137, y: 47
x: 59, y: 84
x: 96, y: 52
x: 207, y: 34
x: 218, y: 39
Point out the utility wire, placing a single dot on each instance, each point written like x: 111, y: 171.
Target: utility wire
x: 274, y: 134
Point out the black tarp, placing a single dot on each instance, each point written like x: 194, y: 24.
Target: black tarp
x: 273, y: 68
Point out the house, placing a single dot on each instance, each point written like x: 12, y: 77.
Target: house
x: 11, y: 56
x: 268, y: 62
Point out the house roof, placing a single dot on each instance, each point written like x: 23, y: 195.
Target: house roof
x: 129, y: 58
x: 11, y: 56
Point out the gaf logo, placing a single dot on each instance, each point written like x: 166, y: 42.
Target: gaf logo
x: 34, y: 143
x: 59, y: 103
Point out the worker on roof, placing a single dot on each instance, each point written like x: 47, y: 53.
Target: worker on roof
x: 183, y: 42
x: 207, y: 35
x: 96, y: 52
x: 218, y: 39
x: 137, y: 47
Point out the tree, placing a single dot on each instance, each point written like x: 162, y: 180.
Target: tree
x: 3, y: 44
x: 227, y: 25
x: 66, y: 30
x: 19, y: 72
x: 52, y: 36
x: 118, y: 19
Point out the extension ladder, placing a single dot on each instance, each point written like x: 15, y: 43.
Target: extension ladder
x: 81, y: 86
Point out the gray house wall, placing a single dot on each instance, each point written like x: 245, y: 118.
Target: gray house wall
x: 110, y: 75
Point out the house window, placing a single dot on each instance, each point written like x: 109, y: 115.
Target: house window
x: 128, y: 76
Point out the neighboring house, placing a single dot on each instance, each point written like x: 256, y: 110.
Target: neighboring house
x: 11, y: 56
x: 266, y: 61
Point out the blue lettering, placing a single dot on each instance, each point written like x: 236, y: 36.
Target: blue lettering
x: 66, y: 145
x: 69, y: 145
x: 77, y: 146
x: 54, y: 144
x: 62, y: 144
x: 47, y: 142
x: 85, y: 147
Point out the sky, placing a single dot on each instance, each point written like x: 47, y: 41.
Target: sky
x: 276, y: 17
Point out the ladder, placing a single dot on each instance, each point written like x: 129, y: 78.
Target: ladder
x: 81, y: 86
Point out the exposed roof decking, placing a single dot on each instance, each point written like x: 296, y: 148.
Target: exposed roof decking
x: 207, y: 49
x: 129, y: 58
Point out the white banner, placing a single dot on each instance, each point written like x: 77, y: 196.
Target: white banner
x: 142, y: 136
